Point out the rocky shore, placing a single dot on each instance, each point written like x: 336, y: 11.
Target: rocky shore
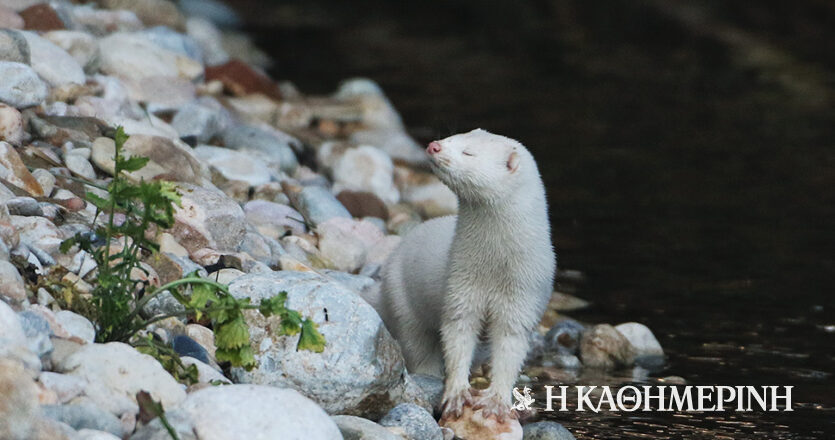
x: 281, y: 192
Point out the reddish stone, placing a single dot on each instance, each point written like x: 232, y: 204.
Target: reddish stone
x: 240, y: 79
x: 363, y: 204
x: 41, y: 17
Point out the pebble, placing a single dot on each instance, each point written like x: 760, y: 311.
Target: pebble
x: 564, y: 336
x: 133, y: 57
x: 234, y: 165
x: 273, y: 143
x: 80, y: 166
x: 357, y: 428
x: 52, y: 63
x: 82, y: 46
x: 208, y: 219
x: 11, y: 125
x: 274, y: 220
x: 21, y: 87
x: 316, y: 204
x: 76, y: 325
x: 367, y: 169
x: 416, y: 422
x: 41, y: 17
x: 603, y: 347
x: 84, y: 415
x: 25, y: 206
x: 546, y: 431
x: 185, y: 346
x: 10, y: 19
x: 13, y: 46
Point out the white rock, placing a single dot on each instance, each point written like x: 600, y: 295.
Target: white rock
x: 234, y: 412
x: 21, y: 87
x: 209, y: 38
x: 366, y: 168
x: 361, y: 369
x: 116, y: 372
x: 234, y: 165
x: 134, y: 57
x: 11, y: 283
x: 274, y: 219
x: 65, y: 386
x: 346, y: 242
x: 76, y: 325
x: 641, y: 337
x: 11, y: 125
x: 205, y: 373
x: 92, y: 434
x: 208, y: 219
x: 80, y: 45
x: 11, y: 331
x: 52, y: 63
x: 78, y: 164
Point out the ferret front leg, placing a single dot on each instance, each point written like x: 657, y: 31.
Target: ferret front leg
x: 459, y: 336
x: 508, y: 346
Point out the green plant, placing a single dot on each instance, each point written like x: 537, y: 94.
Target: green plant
x: 118, y: 246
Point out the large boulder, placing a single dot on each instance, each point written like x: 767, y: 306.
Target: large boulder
x: 234, y: 412
x: 360, y: 372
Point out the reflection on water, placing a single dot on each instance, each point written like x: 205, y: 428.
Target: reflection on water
x: 689, y: 159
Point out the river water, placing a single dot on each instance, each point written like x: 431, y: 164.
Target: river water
x: 689, y: 153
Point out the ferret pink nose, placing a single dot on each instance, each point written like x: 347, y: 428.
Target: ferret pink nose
x: 433, y: 148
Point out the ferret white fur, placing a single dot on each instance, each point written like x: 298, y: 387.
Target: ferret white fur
x: 486, y: 273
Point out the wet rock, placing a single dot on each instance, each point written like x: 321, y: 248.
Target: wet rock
x: 76, y: 325
x: 84, y: 415
x: 472, y: 425
x: 245, y: 411
x: 52, y: 63
x: 170, y: 159
x: 21, y: 87
x: 360, y: 370
x: 273, y: 143
x: 366, y: 168
x: 346, y: 242
x: 416, y: 422
x: 546, y: 431
x: 641, y: 337
x: 315, y: 203
x: 151, y: 12
x: 564, y: 336
x: 564, y: 360
x: 234, y: 165
x: 82, y: 46
x: 208, y: 219
x: 240, y: 79
x: 9, y: 19
x: 11, y: 125
x: 19, y: 412
x: 116, y: 372
x: 357, y: 428
x: 41, y: 17
x: 604, y: 347
x: 274, y: 220
x: 133, y: 57
x: 11, y: 283
x: 13, y: 47
x: 204, y: 119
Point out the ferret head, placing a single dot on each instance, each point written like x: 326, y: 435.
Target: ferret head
x: 481, y: 166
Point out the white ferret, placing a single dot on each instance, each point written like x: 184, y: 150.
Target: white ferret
x: 486, y: 273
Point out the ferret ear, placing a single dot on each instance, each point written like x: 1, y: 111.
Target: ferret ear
x: 513, y: 162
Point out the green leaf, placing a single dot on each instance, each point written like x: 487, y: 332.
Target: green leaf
x: 99, y: 202
x: 273, y: 306
x: 310, y: 338
x: 67, y: 244
x: 242, y: 357
x: 291, y: 322
x: 232, y: 334
x: 120, y: 137
x: 133, y: 163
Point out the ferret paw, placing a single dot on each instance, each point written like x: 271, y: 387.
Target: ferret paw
x: 492, y: 405
x: 454, y: 404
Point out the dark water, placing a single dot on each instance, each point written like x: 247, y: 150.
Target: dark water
x: 689, y: 154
